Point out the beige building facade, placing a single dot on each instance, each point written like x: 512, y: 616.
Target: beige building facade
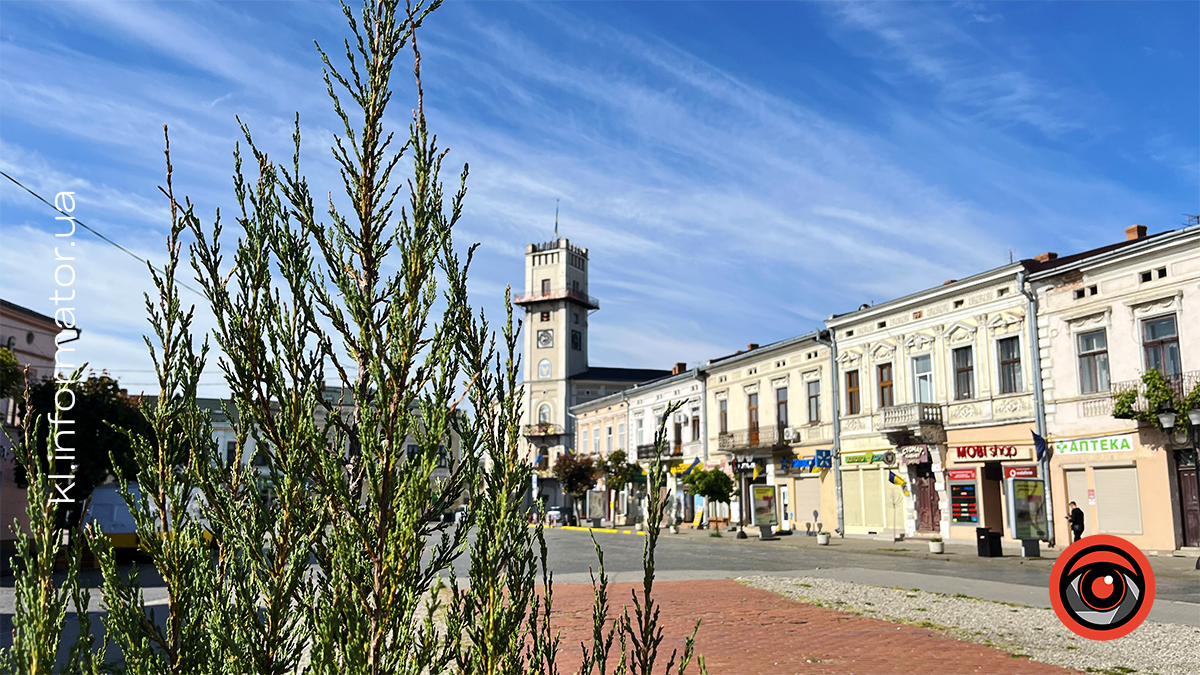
x: 936, y: 391
x: 1106, y: 318
x: 770, y: 409
x: 602, y: 428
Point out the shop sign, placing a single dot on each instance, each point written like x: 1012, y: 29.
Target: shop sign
x: 987, y: 452
x: 1020, y: 472
x: 859, y: 459
x: 745, y: 464
x: 1091, y: 497
x: 960, y: 474
x: 879, y: 457
x: 914, y: 454
x: 1100, y: 444
x: 824, y: 459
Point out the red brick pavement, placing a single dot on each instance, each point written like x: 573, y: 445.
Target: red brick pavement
x: 747, y: 631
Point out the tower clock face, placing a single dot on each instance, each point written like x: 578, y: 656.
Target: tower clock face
x: 545, y: 338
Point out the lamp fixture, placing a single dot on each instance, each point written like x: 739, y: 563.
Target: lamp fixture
x: 1166, y: 419
x: 1194, y: 417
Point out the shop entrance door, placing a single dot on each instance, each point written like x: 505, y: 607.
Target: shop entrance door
x: 1189, y: 497
x: 929, y: 514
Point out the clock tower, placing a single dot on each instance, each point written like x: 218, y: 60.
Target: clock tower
x: 557, y: 304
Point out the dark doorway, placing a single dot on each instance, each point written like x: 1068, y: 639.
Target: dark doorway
x: 929, y: 513
x: 1189, y: 496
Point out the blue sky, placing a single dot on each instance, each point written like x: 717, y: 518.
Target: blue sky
x: 739, y: 171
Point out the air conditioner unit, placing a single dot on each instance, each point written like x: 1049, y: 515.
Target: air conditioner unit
x: 790, y: 434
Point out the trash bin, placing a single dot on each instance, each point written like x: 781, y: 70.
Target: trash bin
x: 1030, y: 548
x: 988, y: 543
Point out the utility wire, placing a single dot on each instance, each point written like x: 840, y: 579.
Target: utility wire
x: 89, y: 229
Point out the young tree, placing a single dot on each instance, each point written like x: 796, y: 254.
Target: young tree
x: 576, y: 475
x: 714, y: 485
x: 11, y: 378
x: 100, y: 413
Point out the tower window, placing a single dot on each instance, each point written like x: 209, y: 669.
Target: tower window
x: 576, y: 340
x: 574, y: 317
x: 545, y: 285
x: 545, y: 316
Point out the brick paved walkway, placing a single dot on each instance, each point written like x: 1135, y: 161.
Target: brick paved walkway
x: 746, y: 631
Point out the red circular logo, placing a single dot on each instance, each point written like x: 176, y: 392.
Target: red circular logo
x: 1102, y: 587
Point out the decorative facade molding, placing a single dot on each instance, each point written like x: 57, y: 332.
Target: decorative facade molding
x: 1160, y: 304
x: 960, y: 332
x: 918, y: 342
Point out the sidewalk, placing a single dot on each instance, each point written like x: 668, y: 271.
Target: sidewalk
x: 1163, y: 565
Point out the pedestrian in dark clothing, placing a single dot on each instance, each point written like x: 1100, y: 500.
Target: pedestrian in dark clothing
x: 1075, y: 516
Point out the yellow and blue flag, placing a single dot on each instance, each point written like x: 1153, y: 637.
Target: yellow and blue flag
x: 757, y: 470
x: 895, y: 480
x: 695, y: 463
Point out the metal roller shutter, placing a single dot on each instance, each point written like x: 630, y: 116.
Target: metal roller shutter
x: 1118, y: 507
x: 852, y: 511
x: 806, y: 499
x: 873, y: 500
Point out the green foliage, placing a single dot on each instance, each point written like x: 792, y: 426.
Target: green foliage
x: 1159, y: 394
x: 618, y: 471
x: 39, y: 602
x: 12, y: 379
x: 713, y: 485
x: 332, y: 558
x: 99, y: 415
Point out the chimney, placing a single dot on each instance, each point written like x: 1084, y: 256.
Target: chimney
x: 679, y: 368
x: 1135, y: 232
x: 1046, y: 257
x: 752, y: 346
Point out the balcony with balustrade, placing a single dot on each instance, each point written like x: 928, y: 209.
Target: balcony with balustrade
x: 1142, y: 398
x: 543, y: 429
x: 912, y: 423
x: 756, y: 438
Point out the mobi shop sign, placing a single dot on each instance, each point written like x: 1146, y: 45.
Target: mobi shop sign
x: 1000, y: 452
x: 1079, y: 446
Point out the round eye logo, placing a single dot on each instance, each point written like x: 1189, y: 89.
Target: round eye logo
x: 1102, y: 587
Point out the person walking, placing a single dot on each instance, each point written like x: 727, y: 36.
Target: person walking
x: 1075, y: 517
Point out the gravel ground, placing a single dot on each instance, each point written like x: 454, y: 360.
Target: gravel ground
x: 1166, y: 649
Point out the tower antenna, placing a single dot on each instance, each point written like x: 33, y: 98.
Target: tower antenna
x: 556, y: 219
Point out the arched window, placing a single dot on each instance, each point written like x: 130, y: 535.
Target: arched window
x: 544, y: 414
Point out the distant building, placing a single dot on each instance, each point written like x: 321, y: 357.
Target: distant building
x: 1105, y: 318
x: 556, y: 372
x: 30, y: 335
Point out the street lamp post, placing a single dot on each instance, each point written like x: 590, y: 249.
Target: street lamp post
x: 1166, y: 418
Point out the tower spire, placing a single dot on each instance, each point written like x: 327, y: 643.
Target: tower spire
x: 556, y: 219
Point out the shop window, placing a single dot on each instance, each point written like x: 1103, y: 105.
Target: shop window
x: 1161, y: 342
x: 1093, y: 362
x: 1010, y: 365
x: 923, y: 378
x: 964, y: 373
x: 884, y: 375
x: 852, y: 403
x: 814, y: 401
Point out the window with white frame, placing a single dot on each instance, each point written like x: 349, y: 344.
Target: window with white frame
x: 583, y: 441
x: 1093, y: 361
x: 814, y: 401
x: 922, y: 367
x: 637, y: 430
x: 544, y: 414
x: 964, y: 373
x: 620, y: 435
x: 608, y: 440
x: 1161, y: 343
x: 1009, y: 351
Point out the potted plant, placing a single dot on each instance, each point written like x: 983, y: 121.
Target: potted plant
x: 936, y: 545
x: 823, y: 538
